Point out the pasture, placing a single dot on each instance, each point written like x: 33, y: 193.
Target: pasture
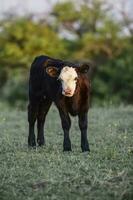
x: 48, y: 173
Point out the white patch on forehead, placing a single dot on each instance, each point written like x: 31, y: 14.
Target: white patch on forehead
x: 68, y: 77
x: 68, y: 73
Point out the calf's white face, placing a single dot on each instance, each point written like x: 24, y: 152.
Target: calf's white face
x: 68, y: 77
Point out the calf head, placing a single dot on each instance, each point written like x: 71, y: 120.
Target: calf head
x: 68, y: 76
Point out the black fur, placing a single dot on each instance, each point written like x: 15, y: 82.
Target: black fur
x: 44, y: 89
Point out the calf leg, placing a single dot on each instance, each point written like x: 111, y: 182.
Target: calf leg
x: 66, y: 124
x: 83, y: 127
x: 43, y: 110
x: 32, y: 115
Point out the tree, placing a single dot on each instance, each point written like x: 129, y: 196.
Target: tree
x: 93, y: 33
x: 21, y: 41
x: 99, y: 36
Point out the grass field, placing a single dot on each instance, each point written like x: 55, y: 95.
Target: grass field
x: 48, y: 173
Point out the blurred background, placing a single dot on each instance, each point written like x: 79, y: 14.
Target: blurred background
x: 100, y: 31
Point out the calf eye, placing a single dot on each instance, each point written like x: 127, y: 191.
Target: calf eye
x: 76, y: 79
x: 59, y: 79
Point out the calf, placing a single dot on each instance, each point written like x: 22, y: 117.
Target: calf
x: 68, y: 86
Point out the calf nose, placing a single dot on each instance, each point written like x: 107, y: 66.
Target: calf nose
x: 68, y: 90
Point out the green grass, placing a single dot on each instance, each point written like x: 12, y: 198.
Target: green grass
x: 48, y: 173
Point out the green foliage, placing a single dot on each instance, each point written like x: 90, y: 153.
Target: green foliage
x: 15, y: 91
x: 22, y: 39
x: 48, y: 173
x: 96, y: 35
x: 66, y: 12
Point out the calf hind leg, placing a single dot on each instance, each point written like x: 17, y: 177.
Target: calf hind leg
x: 32, y: 115
x: 42, y: 112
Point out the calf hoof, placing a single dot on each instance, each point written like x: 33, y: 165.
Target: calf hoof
x: 67, y: 149
x: 31, y: 143
x: 40, y: 142
x: 67, y: 146
x: 85, y: 148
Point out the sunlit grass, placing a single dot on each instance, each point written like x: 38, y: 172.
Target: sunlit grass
x: 48, y: 173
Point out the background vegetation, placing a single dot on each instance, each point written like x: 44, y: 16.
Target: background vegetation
x: 74, y: 31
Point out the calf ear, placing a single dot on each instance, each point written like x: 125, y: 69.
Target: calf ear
x: 52, y: 71
x: 84, y: 68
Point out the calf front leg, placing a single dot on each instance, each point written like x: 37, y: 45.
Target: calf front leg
x: 83, y: 124
x: 66, y: 124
